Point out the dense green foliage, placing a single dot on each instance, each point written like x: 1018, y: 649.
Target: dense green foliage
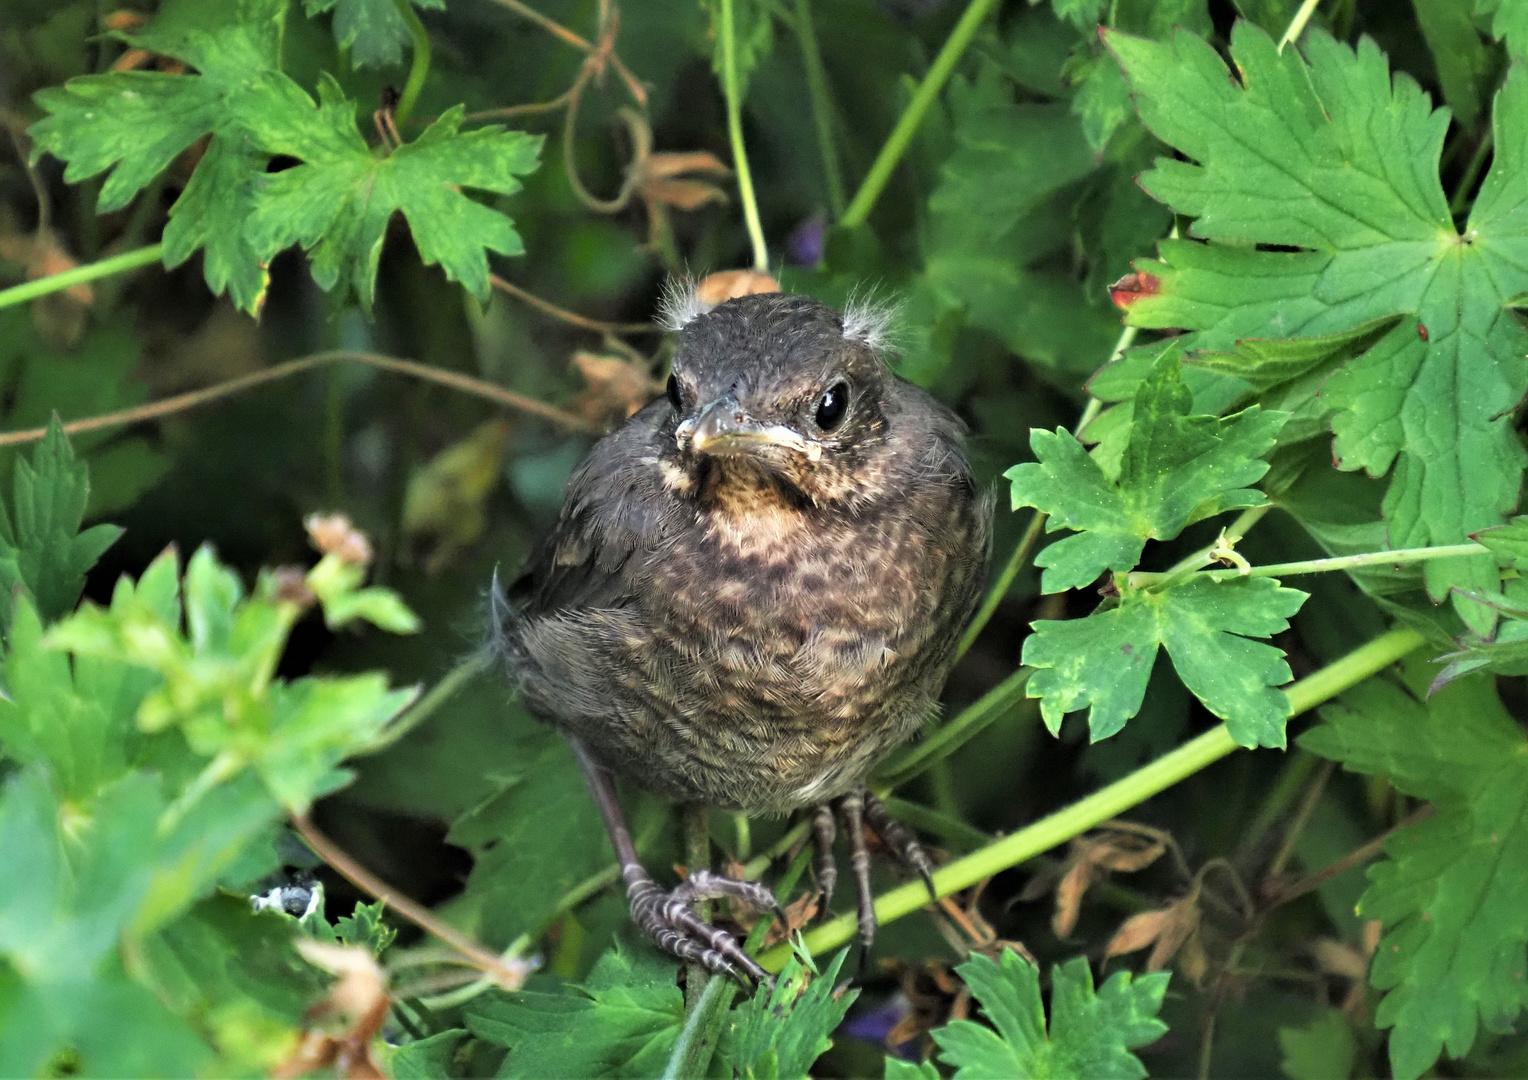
x: 456, y: 217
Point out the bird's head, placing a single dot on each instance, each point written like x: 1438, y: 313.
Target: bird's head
x: 784, y: 388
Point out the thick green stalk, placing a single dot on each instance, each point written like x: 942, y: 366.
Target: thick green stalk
x: 419, y: 66
x: 128, y: 260
x: 822, y: 105
x: 1111, y: 801
x: 697, y: 846
x: 696, y: 1045
x: 901, y: 136
x: 735, y: 135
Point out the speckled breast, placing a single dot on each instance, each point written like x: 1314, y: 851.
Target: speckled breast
x: 786, y: 652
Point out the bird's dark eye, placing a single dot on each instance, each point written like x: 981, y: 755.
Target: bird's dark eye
x: 832, y: 406
x: 673, y: 393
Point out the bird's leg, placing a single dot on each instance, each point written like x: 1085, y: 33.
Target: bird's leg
x: 824, y: 829
x: 860, y: 809
x: 665, y: 917
x: 900, y: 839
x: 852, y: 807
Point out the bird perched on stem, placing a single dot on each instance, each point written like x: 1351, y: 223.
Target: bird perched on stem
x: 754, y: 592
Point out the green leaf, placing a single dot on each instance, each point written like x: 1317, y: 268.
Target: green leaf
x: 426, y: 1059
x: 1000, y: 213
x: 1334, y: 157
x: 1104, y: 661
x: 1455, y: 952
x: 621, y: 1023
x: 1177, y: 469
x: 44, y: 552
x: 1324, y: 1049
x: 373, y: 30
x: 897, y: 1069
x: 98, y: 374
x: 1090, y: 1036
x: 338, y: 203
x: 1465, y: 66
x: 44, y: 719
x: 753, y: 35
x: 1509, y: 541
x: 533, y: 839
x: 136, y: 123
x: 782, y: 1032
x: 1270, y: 362
x: 1509, y: 23
x: 216, y: 683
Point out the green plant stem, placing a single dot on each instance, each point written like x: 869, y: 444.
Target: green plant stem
x: 1286, y: 788
x: 1004, y: 582
x: 1472, y: 173
x: 1297, y: 24
x: 117, y: 264
x: 947, y: 827
x: 907, y: 125
x: 1031, y: 535
x: 1109, y: 802
x: 696, y: 1045
x: 965, y: 725
x: 735, y: 135
x: 697, y: 850
x: 419, y: 65
x: 793, y: 836
x: 822, y: 105
x: 417, y: 713
x: 1398, y: 557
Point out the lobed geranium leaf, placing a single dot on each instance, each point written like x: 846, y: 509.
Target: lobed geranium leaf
x: 1332, y: 156
x: 337, y: 203
x: 1104, y: 661
x: 1090, y: 1036
x: 1454, y: 956
x: 1176, y: 469
x: 373, y: 30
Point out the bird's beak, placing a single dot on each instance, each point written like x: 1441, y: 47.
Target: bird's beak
x: 723, y: 427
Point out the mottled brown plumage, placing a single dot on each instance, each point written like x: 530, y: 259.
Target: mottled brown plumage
x: 755, y: 587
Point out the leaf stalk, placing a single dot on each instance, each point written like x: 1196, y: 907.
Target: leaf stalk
x: 907, y: 125
x: 735, y: 136
x: 1398, y: 557
x: 419, y: 64
x: 45, y: 286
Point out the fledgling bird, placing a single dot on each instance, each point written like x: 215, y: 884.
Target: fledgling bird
x: 754, y: 592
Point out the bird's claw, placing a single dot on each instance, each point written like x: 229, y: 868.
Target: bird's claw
x: 667, y: 918
x: 861, y: 809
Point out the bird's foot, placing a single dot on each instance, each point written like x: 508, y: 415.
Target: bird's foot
x: 668, y: 919
x: 858, y: 810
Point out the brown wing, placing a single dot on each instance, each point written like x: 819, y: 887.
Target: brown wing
x: 616, y: 510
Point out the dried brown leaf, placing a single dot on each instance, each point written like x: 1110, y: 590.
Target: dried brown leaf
x: 1338, y: 958
x: 683, y: 194
x: 347, y: 1019
x: 727, y: 285
x: 1137, y: 932
x: 1069, y: 892
x: 1181, y: 926
x: 615, y: 388
x: 669, y: 163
